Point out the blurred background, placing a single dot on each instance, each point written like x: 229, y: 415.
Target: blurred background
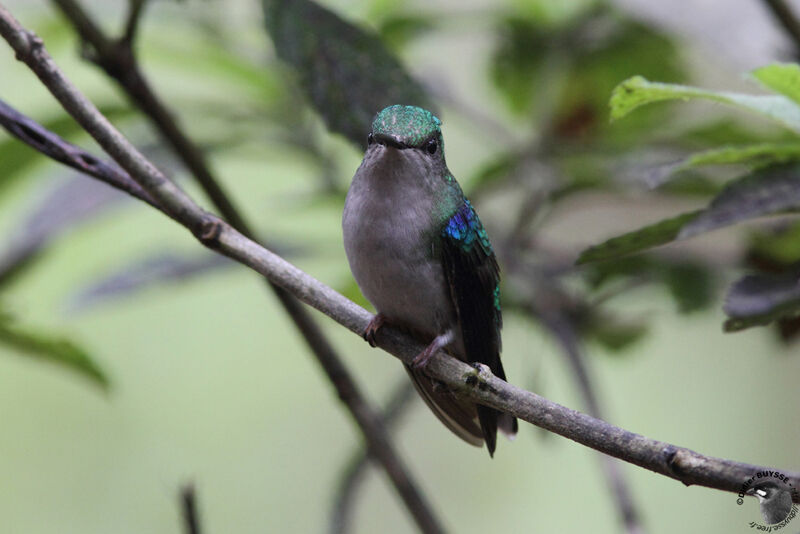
x: 133, y: 362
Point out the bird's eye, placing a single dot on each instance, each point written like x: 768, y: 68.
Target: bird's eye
x: 431, y: 146
x: 370, y: 139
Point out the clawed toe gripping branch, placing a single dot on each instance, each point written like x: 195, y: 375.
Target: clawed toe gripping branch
x: 478, y: 385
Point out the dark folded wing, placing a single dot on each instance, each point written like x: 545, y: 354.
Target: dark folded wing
x: 473, y: 276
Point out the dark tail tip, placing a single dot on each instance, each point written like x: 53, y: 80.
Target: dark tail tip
x: 488, y: 419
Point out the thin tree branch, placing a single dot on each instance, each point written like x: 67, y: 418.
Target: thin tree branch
x: 32, y: 133
x: 135, y: 11
x: 786, y: 18
x: 191, y: 520
x: 356, y: 467
x: 117, y: 59
x: 475, y: 383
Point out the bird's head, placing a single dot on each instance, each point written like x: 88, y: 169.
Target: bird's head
x: 408, y: 128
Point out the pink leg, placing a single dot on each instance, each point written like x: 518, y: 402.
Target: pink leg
x: 439, y: 342
x: 372, y: 328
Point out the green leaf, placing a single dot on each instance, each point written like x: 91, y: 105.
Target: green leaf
x: 783, y: 78
x: 650, y: 236
x: 614, y: 334
x: 638, y: 91
x: 50, y: 348
x: 691, y: 285
x: 564, y: 72
x: 520, y: 62
x: 764, y: 192
x: 346, y: 72
x: 760, y: 299
x: 397, y: 30
x: 759, y: 155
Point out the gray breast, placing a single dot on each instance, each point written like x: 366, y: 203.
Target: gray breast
x: 388, y: 224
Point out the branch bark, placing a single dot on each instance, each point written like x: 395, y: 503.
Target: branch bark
x: 475, y: 383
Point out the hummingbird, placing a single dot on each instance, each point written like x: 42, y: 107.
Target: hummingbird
x: 421, y: 256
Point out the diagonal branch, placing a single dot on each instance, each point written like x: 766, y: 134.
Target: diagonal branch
x: 474, y: 383
x: 31, y: 133
x: 118, y: 60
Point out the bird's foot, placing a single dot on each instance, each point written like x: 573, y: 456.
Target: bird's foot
x: 378, y: 320
x: 421, y: 360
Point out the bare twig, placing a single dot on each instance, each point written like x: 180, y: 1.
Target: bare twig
x: 783, y: 14
x: 474, y: 383
x: 40, y: 138
x: 191, y: 521
x: 117, y: 59
x: 135, y: 11
x: 356, y: 466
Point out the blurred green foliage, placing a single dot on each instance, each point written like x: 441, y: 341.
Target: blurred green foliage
x: 279, y: 113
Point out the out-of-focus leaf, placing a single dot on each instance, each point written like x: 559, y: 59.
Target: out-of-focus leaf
x: 691, y: 285
x: 69, y: 203
x: 50, y: 348
x: 397, y: 30
x: 614, y: 334
x: 519, y: 61
x: 638, y: 91
x: 153, y: 270
x: 547, y: 13
x: 650, y: 236
x: 623, y: 48
x: 763, y: 192
x: 692, y: 184
x: 758, y: 155
x: 346, y: 72
x: 780, y: 248
x: 783, y: 78
x: 727, y: 131
x: 17, y: 260
x: 600, y: 274
x: 494, y: 171
x: 220, y: 65
x: 759, y: 299
x: 568, y: 69
x: 766, y: 191
x: 159, y: 268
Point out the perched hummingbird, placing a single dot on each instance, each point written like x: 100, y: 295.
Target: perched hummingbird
x: 421, y: 256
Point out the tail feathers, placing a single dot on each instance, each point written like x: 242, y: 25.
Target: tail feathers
x: 456, y: 415
x: 507, y: 423
x: 488, y: 419
x: 471, y: 422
